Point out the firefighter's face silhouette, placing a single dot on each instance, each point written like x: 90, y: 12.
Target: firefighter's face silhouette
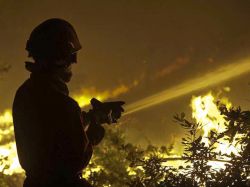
x: 64, y: 70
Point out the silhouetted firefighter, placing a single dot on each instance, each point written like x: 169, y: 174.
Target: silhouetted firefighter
x: 54, y: 138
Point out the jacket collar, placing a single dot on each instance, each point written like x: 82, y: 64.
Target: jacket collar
x: 52, y: 81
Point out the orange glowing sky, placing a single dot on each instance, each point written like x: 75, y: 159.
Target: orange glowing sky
x: 134, y: 49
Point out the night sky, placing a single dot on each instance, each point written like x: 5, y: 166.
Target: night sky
x: 146, y: 46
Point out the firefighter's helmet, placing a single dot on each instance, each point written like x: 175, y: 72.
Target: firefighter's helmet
x: 53, y: 39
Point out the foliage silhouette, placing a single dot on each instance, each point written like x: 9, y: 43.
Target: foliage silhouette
x: 118, y: 163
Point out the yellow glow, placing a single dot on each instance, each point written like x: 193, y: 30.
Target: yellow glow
x: 217, y: 165
x: 206, y: 112
x: 131, y: 171
x: 84, y: 100
x: 89, y: 170
x: 6, y: 118
x: 220, y: 75
x: 85, y: 95
x: 8, y: 149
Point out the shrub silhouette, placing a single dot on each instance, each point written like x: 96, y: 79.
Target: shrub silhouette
x: 117, y: 163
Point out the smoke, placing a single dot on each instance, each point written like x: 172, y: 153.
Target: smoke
x: 84, y: 96
x: 178, y: 64
x: 4, y: 68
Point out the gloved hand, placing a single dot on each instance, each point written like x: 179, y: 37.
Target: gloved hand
x: 106, y: 112
x: 103, y: 112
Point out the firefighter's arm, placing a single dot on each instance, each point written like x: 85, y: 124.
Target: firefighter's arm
x: 101, y: 113
x: 76, y: 147
x: 95, y: 132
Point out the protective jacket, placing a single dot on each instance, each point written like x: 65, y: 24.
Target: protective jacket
x: 51, y: 142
